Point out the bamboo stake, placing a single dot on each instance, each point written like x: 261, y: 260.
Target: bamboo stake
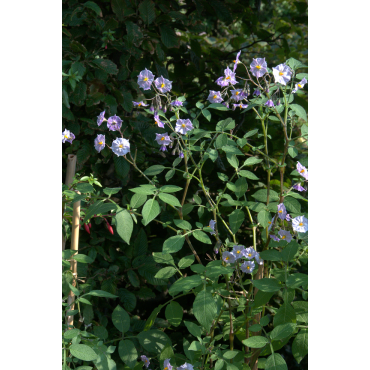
x: 70, y: 174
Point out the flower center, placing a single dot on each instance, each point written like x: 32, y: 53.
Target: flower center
x: 301, y: 224
x: 162, y: 138
x: 66, y: 136
x: 280, y: 211
x: 269, y: 222
x: 300, y: 86
x: 139, y: 105
x: 120, y: 146
x: 258, y: 67
x: 227, y: 258
x: 237, y: 93
x: 301, y: 171
x: 228, y: 78
x: 162, y: 86
x: 281, y: 73
x: 237, y: 252
x: 166, y: 368
x: 234, y: 61
x: 283, y: 237
x: 240, y: 106
x: 248, y: 268
x: 183, y: 125
x: 100, y: 143
x: 146, y: 79
x: 249, y: 254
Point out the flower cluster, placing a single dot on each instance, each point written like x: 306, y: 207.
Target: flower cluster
x: 167, y: 365
x: 239, y: 252
x: 146, y: 78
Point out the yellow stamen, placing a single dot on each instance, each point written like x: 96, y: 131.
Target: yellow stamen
x: 301, y: 224
x: 280, y: 211
x: 121, y: 146
x: 283, y: 237
x: 238, y: 252
x: 183, y: 125
x: 214, y: 96
x: 100, y: 143
x: 240, y: 106
x: 162, y: 138
x: 234, y: 61
x: 258, y: 67
x: 66, y: 136
x: 228, y: 78
x: 248, y: 268
x: 227, y: 258
x: 139, y: 105
x: 301, y: 171
x: 249, y: 254
x: 237, y: 93
x: 166, y: 368
x: 281, y: 73
x: 300, y: 86
x: 269, y: 222
x: 146, y: 79
x: 162, y: 86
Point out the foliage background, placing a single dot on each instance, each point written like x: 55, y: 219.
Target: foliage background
x: 189, y: 42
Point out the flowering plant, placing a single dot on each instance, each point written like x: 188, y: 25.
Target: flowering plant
x: 248, y: 293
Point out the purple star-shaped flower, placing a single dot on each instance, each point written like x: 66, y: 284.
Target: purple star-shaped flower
x: 247, y: 267
x: 114, y: 123
x: 158, y: 122
x: 258, y: 259
x: 258, y: 67
x: 238, y: 251
x: 270, y: 223
x: 236, y: 61
x: 274, y: 237
x: 140, y: 104
x: 285, y: 235
x: 241, y: 106
x: 237, y: 94
x: 249, y: 253
x: 67, y: 136
x: 120, y: 147
x: 163, y: 139
x: 299, y: 187
x: 212, y: 224
x: 228, y: 257
x: 163, y: 85
x: 145, y: 360
x: 101, y: 118
x: 99, y: 143
x: 186, y: 366
x: 269, y: 103
x: 183, y: 126
x: 145, y: 79
x: 287, y: 217
x: 299, y: 85
x: 300, y: 224
x: 167, y: 365
x: 282, y: 73
x: 229, y: 78
x: 214, y: 97
x: 281, y: 211
x: 176, y: 103
x: 257, y: 92
x: 302, y: 170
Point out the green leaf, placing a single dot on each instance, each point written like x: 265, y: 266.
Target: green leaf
x: 300, y: 345
x: 121, y: 166
x: 100, y: 293
x: 262, y: 298
x: 69, y: 334
x: 174, y: 313
x: 121, y: 319
x: 168, y: 176
x: 182, y: 224
x: 153, y: 341
x: 219, y: 364
x: 185, y: 284
x: 173, y: 244
x: 228, y: 355
x: 83, y: 352
x: 154, y: 170
x: 138, y: 200
x: 168, y: 36
x: 271, y: 255
x: 301, y: 310
x: 147, y: 11
x: 221, y: 140
x: 285, y: 315
x: 143, y: 190
x: 170, y: 199
x: 251, y: 133
x: 150, y: 321
x: 187, y: 208
x: 186, y: 261
x: 170, y: 189
x: 255, y: 328
x: 82, y: 258
x: 85, y: 188
x: 93, y: 6
x: 106, y: 65
x: 292, y: 205
x: 217, y: 106
x: 124, y: 225
x: 207, y: 114
x: 194, y: 329
x: 134, y: 280
x: 150, y: 211
x: 205, y: 309
x: 232, y: 159
x: 165, y: 273
x: 127, y: 352
x: 299, y: 111
x: 248, y: 175
x: 261, y: 195
x: 275, y: 362
x: 293, y: 152
x: 289, y: 252
x: 74, y: 290
x: 267, y: 285
x: 226, y: 124
x: 111, y: 191
x: 297, y: 280
x: 164, y: 258
x: 294, y: 63
x: 252, y: 160
x: 202, y: 237
x: 241, y: 187
x: 236, y: 219
x: 264, y: 217
x: 255, y: 342
x: 99, y: 207
x: 283, y: 331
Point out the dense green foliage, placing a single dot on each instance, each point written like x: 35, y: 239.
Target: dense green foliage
x: 105, y: 46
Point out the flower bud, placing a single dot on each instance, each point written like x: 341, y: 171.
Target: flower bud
x: 87, y: 229
x: 109, y: 228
